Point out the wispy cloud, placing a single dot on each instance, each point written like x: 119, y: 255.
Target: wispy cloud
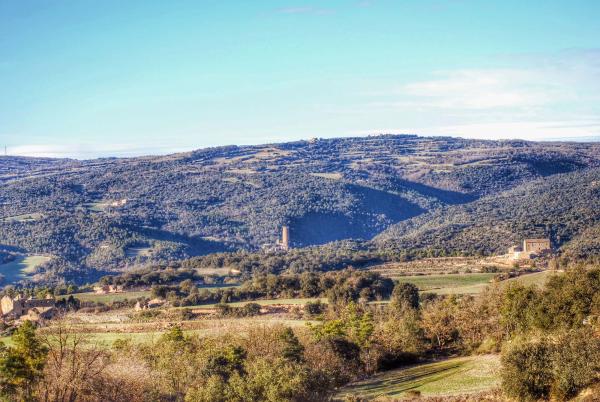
x: 485, y: 89
x: 556, y: 94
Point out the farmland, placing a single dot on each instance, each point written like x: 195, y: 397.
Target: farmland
x: 461, y: 375
x: 128, y: 295
x: 103, y: 331
x: 537, y: 278
x: 438, y: 266
x: 451, y: 283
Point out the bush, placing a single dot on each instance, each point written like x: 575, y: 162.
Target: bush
x: 557, y: 368
x: 314, y: 308
x: 250, y: 309
x: 405, y: 295
x: 576, y: 363
x: 527, y: 370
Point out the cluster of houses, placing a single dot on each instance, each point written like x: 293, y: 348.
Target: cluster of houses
x: 27, y: 309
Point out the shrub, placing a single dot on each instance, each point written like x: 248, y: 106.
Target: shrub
x: 405, y: 295
x: 314, y: 308
x: 576, y: 363
x: 557, y: 368
x: 527, y: 370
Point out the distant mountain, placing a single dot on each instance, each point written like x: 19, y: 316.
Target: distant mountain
x: 108, y: 214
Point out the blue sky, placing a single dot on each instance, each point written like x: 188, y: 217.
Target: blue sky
x: 86, y: 78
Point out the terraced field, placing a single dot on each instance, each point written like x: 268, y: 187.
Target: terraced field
x: 461, y: 375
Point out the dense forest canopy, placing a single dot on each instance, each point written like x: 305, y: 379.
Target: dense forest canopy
x: 415, y: 192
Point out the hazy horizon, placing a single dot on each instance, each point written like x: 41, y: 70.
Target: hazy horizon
x: 160, y: 151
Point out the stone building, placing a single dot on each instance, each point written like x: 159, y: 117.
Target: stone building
x: 284, y: 242
x: 530, y: 249
x: 536, y: 246
x: 38, y: 314
x: 18, y: 306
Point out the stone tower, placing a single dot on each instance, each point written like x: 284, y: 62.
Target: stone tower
x: 285, y: 237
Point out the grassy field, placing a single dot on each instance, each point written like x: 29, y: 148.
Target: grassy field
x: 449, y: 284
x: 537, y: 278
x: 449, y: 377
x: 438, y: 266
x: 21, y: 267
x: 470, y: 283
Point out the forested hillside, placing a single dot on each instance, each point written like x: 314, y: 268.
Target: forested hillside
x: 108, y: 214
x: 564, y: 207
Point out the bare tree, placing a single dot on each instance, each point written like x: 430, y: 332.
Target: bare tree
x: 74, y: 366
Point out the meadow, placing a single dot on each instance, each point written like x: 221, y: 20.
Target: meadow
x: 470, y: 283
x: 461, y: 375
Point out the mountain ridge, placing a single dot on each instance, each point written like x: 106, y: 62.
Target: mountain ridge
x: 97, y: 215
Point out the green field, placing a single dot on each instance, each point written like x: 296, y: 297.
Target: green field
x: 449, y: 284
x: 537, y: 278
x: 21, y: 267
x: 449, y: 377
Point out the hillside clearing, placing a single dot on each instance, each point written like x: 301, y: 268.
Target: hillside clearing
x: 36, y: 216
x: 460, y: 375
x: 21, y: 267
